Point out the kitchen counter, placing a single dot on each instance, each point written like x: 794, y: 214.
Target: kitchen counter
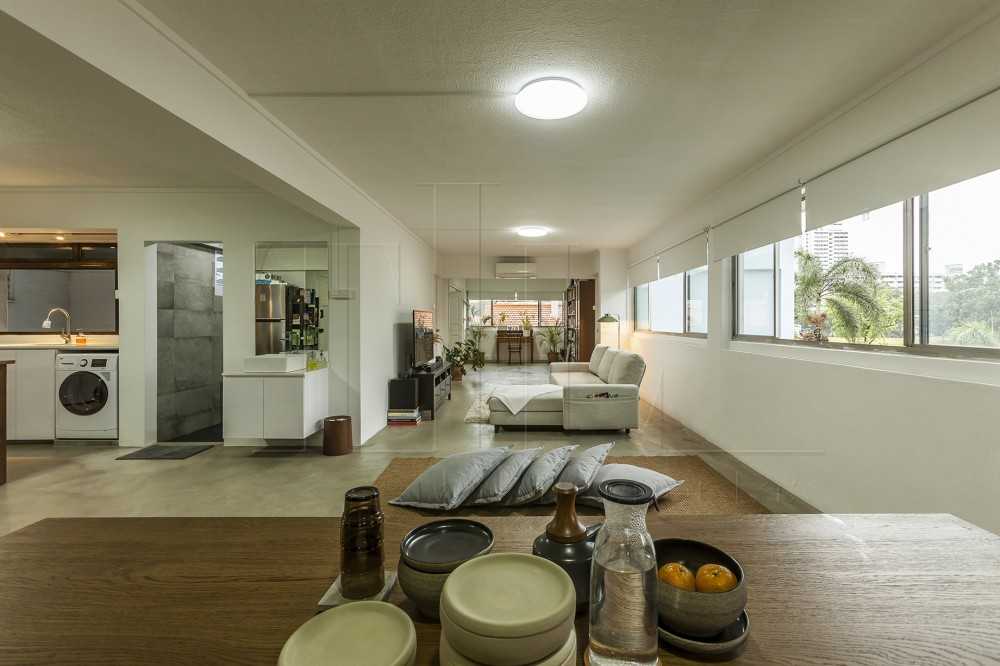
x: 260, y: 373
x: 273, y: 405
x: 59, y: 346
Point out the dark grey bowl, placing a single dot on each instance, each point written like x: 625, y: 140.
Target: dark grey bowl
x: 697, y: 614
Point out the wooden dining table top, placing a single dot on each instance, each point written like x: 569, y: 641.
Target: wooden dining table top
x: 823, y: 589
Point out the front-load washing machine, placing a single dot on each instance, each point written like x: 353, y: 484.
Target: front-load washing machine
x: 87, y: 395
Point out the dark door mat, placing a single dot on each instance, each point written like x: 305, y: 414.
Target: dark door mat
x: 165, y: 452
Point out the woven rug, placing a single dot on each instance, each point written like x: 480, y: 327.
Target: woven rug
x: 704, y: 490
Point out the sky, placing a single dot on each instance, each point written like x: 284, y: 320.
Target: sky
x: 964, y: 227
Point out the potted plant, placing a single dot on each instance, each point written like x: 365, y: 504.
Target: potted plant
x: 526, y: 324
x: 474, y: 357
x: 551, y: 341
x: 455, y: 355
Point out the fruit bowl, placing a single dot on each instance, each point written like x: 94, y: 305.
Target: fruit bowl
x: 697, y: 614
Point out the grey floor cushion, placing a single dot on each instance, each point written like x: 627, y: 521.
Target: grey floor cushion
x: 539, y: 477
x: 581, y: 469
x: 502, y: 479
x: 660, y: 483
x: 448, y: 483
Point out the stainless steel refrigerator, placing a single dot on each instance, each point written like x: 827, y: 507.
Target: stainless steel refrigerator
x: 270, y: 315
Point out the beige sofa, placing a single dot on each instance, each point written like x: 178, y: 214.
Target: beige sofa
x: 600, y: 395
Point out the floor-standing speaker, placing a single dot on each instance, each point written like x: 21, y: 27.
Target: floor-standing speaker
x: 403, y: 393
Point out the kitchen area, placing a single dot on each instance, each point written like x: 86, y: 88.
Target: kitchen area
x: 59, y: 334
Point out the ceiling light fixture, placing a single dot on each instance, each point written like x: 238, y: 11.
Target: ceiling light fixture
x: 531, y: 232
x: 60, y: 238
x: 551, y: 98
x: 3, y: 235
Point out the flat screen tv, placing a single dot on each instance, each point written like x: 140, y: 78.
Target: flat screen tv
x: 423, y: 337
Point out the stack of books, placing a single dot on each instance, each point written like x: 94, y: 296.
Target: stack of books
x: 403, y: 417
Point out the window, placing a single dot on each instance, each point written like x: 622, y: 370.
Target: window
x: 480, y: 312
x: 755, y: 289
x: 697, y: 300
x: 551, y: 313
x: 961, y: 271
x: 922, y: 274
x: 512, y: 314
x: 642, y: 307
x: 666, y: 304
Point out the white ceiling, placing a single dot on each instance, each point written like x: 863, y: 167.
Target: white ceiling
x: 64, y: 123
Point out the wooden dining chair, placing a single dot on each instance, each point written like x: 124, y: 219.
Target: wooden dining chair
x: 514, y: 347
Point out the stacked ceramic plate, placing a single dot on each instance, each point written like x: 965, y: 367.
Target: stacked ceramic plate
x: 508, y: 609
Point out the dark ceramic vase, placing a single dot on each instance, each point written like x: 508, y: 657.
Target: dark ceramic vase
x: 568, y: 543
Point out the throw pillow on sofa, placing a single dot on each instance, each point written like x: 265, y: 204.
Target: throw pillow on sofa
x: 502, y: 479
x: 450, y: 481
x: 661, y: 484
x: 595, y: 358
x: 539, y: 477
x: 604, y: 369
x: 581, y: 470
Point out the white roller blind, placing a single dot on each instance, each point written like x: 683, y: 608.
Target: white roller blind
x: 776, y: 220
x: 643, y: 272
x: 687, y: 255
x: 960, y: 145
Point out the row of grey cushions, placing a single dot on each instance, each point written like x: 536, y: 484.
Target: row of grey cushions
x: 499, y: 476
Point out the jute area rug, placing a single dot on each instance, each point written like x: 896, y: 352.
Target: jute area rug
x: 704, y: 490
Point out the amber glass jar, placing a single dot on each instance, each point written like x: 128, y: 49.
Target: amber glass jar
x: 361, y: 554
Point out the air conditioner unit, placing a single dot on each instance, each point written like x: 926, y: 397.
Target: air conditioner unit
x: 508, y: 270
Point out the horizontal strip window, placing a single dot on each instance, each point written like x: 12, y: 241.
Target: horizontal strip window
x: 673, y: 305
x: 917, y: 276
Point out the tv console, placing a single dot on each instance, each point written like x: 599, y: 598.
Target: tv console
x: 433, y: 388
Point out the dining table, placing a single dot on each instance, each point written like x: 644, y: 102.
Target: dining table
x: 822, y: 589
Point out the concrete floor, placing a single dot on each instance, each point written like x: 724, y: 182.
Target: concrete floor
x: 60, y: 481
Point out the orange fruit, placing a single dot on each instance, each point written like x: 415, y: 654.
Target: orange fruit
x: 678, y: 575
x: 714, y: 578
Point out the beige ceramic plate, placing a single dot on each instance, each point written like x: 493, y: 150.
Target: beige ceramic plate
x: 363, y: 632
x: 565, y: 656
x: 508, y: 595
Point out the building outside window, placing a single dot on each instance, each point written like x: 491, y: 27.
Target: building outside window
x: 551, y: 313
x: 480, y: 312
x: 511, y: 314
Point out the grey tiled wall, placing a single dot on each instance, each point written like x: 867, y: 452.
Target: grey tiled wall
x: 189, y: 345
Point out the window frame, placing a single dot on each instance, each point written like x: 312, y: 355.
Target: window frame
x: 685, y: 293
x: 915, y: 214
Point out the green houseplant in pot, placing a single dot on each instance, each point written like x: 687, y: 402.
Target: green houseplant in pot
x: 551, y: 341
x: 455, y: 355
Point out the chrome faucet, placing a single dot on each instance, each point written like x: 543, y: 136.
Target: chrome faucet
x: 66, y: 335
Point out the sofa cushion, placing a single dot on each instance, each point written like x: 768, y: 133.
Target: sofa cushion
x: 580, y: 470
x: 539, y: 477
x: 604, y: 369
x: 503, y: 478
x: 660, y: 484
x: 575, y: 379
x: 547, y: 402
x: 628, y: 368
x: 596, y: 356
x: 450, y: 481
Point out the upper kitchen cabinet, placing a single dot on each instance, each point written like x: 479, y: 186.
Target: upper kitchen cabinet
x: 290, y: 256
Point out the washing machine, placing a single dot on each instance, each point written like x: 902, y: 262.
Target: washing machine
x: 87, y: 395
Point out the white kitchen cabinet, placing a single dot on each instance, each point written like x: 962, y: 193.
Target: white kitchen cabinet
x: 31, y: 394
x: 35, y: 394
x: 290, y: 405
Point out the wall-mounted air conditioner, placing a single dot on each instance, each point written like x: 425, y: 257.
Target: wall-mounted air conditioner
x: 507, y: 270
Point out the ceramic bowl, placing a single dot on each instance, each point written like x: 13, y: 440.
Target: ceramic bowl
x: 441, y: 546
x: 697, y: 614
x: 362, y: 632
x: 422, y: 587
x: 566, y: 656
x: 506, y: 651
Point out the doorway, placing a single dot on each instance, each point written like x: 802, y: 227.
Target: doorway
x: 189, y: 306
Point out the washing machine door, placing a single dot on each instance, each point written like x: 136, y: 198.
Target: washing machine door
x: 83, y: 393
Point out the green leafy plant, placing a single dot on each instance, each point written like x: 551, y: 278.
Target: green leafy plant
x: 847, y: 291
x: 551, y: 339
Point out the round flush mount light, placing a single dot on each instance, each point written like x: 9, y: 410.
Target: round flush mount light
x: 551, y: 99
x: 531, y: 232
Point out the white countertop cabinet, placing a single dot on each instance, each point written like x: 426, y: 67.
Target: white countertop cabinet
x: 31, y: 394
x: 280, y: 405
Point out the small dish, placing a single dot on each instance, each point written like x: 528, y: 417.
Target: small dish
x: 423, y: 588
x: 723, y: 642
x: 440, y: 546
x: 565, y: 656
x: 362, y: 632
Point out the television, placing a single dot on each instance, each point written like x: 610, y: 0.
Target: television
x: 423, y: 337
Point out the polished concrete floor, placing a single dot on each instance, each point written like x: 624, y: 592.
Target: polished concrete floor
x: 65, y: 480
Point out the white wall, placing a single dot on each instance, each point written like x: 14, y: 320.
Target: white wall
x: 612, y: 289
x: 846, y: 431
x: 565, y: 266
x: 92, y: 300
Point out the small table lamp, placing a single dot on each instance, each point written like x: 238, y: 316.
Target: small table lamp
x: 610, y: 331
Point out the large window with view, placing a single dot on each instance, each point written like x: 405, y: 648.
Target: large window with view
x: 921, y: 274
x: 676, y: 304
